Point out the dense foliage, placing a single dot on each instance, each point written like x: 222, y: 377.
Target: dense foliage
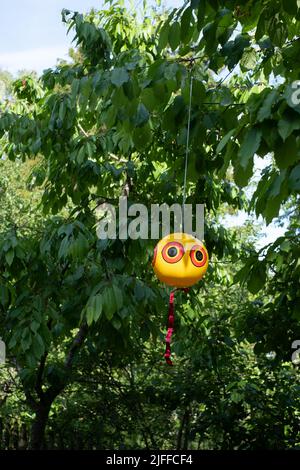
x: 84, y: 319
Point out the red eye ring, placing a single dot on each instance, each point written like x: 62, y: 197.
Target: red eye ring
x: 178, y: 254
x: 193, y: 254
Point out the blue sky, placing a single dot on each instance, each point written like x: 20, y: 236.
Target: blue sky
x: 32, y: 35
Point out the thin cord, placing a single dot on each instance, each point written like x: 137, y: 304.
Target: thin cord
x: 187, y: 142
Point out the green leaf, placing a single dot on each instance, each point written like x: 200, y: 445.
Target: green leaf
x: 94, y: 309
x: 34, y: 326
x: 78, y: 247
x: 257, y: 278
x: 35, y: 147
x: 236, y: 397
x: 91, y: 149
x: 26, y: 340
x: 112, y: 300
x: 195, y: 4
x: 74, y: 89
x: 129, y: 90
x: 174, y: 35
x: 294, y: 179
x: 85, y: 87
x: 64, y: 15
x: 142, y: 137
x: 148, y: 98
x: 109, y: 116
x: 201, y: 14
x: 185, y: 24
x: 234, y: 49
x: 214, y: 4
x: 119, y: 76
x: 116, y: 322
x: 62, y: 111
x: 198, y: 94
x: 243, y: 273
x: 9, y: 256
x: 249, y: 146
x: 266, y: 109
x: 261, y: 26
x: 209, y: 35
x: 63, y: 249
x: 109, y: 303
x: 288, y: 124
x: 277, y: 31
x: 38, y: 346
x: 118, y: 296
x: 286, y: 154
x: 272, y: 208
x: 142, y: 115
x: 290, y: 6
x: 171, y: 71
x: 4, y: 295
x: 65, y: 229
x: 275, y: 187
x: 224, y: 140
x: 81, y: 155
x: 285, y: 246
x: 14, y: 340
x: 241, y: 174
x: 163, y: 36
x: 248, y: 60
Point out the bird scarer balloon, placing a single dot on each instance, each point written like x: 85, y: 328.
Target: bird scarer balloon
x: 180, y: 260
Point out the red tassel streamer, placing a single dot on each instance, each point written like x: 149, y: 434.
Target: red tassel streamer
x: 171, y: 317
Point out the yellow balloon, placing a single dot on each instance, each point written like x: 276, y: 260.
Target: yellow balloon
x: 180, y: 260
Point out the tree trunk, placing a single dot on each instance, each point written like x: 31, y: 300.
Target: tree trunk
x: 46, y: 398
x: 38, y: 427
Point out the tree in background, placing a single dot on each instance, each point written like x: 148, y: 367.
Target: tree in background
x: 5, y: 84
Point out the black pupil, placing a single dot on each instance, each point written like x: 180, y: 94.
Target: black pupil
x: 199, y: 256
x: 172, y: 252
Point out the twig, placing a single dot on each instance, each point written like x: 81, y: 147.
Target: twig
x: 116, y: 158
x: 82, y: 130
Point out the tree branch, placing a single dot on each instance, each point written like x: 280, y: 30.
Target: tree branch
x: 76, y: 344
x: 39, y: 377
x: 117, y: 159
x: 82, y: 130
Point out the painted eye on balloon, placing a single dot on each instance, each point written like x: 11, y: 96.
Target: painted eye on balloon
x: 198, y: 256
x: 172, y: 252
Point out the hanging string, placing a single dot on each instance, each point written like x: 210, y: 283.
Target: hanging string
x: 187, y: 147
